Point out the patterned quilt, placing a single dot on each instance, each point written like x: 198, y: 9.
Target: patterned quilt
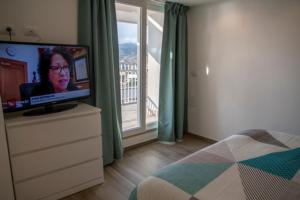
x: 253, y: 165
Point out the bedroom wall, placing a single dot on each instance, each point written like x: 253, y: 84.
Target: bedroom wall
x: 55, y: 20
x: 252, y: 50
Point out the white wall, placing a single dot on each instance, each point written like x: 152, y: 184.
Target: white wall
x: 253, y: 51
x: 154, y: 41
x: 55, y: 20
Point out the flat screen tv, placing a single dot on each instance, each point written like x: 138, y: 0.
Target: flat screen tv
x: 35, y: 74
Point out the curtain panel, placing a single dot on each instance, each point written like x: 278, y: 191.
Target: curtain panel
x: 97, y: 28
x: 172, y: 122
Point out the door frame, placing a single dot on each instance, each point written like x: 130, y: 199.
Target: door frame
x: 144, y: 6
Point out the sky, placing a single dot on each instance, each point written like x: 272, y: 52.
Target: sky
x: 127, y: 32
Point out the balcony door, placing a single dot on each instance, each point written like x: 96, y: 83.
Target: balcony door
x: 140, y: 28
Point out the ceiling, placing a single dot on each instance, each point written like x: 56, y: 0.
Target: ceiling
x: 193, y: 2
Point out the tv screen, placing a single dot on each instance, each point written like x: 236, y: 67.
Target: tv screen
x: 39, y: 74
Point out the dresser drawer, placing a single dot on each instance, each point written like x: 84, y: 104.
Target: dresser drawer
x: 30, y: 137
x: 51, y: 184
x: 48, y: 160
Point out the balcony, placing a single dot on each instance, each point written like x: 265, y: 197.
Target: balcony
x: 130, y: 96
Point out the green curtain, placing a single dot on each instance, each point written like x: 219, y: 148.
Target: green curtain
x: 172, y: 122
x: 97, y: 28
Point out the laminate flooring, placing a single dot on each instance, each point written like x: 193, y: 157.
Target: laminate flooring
x: 121, y: 177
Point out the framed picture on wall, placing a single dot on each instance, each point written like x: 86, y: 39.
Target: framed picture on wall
x: 81, y: 71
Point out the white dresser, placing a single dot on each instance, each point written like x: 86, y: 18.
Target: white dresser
x: 6, y: 187
x: 55, y: 155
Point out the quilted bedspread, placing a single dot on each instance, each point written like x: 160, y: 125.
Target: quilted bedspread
x: 255, y: 164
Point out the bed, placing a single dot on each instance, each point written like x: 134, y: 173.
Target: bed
x: 254, y: 164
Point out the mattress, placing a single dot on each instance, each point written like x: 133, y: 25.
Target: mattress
x: 254, y: 164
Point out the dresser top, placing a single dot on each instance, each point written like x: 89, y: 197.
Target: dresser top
x: 17, y: 119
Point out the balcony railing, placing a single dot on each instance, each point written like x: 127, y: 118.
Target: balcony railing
x: 130, y: 90
x: 129, y: 83
x: 152, y: 108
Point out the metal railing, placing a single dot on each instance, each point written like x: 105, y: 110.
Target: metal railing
x: 130, y: 89
x: 129, y: 83
x: 152, y: 108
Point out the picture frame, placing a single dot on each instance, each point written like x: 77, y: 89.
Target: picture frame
x: 80, y: 69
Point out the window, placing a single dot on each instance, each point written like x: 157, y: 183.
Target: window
x: 140, y: 36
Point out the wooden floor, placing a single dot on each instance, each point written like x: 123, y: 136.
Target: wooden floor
x: 122, y: 176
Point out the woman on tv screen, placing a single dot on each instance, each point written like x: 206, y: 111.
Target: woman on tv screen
x: 55, y: 70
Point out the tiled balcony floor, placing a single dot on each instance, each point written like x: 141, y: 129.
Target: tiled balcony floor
x: 130, y: 116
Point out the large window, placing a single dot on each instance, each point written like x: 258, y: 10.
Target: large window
x: 140, y: 31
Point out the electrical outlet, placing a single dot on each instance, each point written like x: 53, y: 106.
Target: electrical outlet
x: 30, y: 31
x: 3, y: 28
